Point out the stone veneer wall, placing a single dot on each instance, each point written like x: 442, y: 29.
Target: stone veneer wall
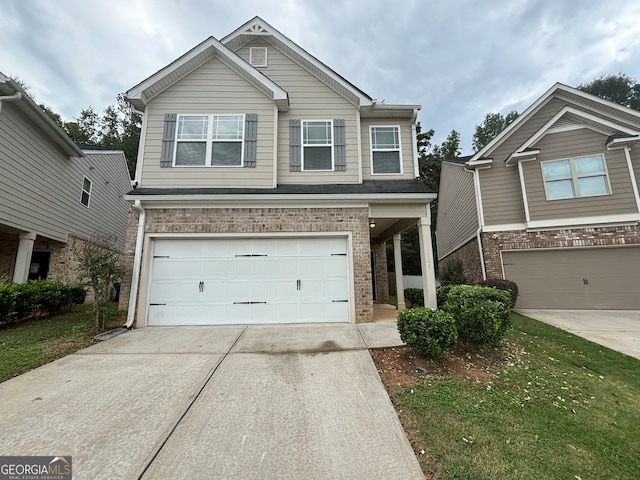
x: 382, y: 278
x: 493, y: 243
x: 469, y: 255
x: 264, y: 220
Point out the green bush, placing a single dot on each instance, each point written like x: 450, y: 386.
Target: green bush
x: 482, y: 314
x: 414, y: 297
x: 427, y: 331
x: 442, y: 292
x: 77, y: 294
x: 500, y: 284
x: 7, y: 301
x: 452, y: 272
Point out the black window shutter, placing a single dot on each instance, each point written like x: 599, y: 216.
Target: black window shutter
x: 295, y: 146
x: 250, y: 139
x: 168, y: 140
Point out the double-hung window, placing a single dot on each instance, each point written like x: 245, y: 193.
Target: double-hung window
x: 209, y: 140
x: 86, y: 192
x: 575, y: 177
x: 386, y: 156
x: 317, y: 145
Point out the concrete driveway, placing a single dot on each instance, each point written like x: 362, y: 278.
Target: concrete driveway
x: 246, y: 402
x: 616, y: 329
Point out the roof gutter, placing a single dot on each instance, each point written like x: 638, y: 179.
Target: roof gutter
x: 137, y: 261
x: 10, y: 98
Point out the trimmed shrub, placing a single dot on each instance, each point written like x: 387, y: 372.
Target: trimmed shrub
x: 77, y: 294
x: 414, y: 297
x: 501, y: 284
x: 482, y: 314
x: 427, y: 331
x: 36, y: 297
x: 7, y: 301
x: 442, y: 292
x: 452, y: 272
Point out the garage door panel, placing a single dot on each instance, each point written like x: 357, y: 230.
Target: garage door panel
x: 249, y: 280
x: 588, y: 278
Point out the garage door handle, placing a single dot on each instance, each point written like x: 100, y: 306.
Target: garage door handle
x: 340, y: 301
x: 201, y: 287
x: 298, y: 284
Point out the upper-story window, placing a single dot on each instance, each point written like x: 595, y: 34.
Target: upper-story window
x: 317, y: 145
x: 386, y: 156
x: 575, y: 177
x: 85, y: 198
x: 209, y: 140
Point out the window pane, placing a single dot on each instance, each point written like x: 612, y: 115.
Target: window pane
x: 86, y: 185
x: 191, y: 153
x: 385, y: 137
x: 193, y: 127
x: 85, y: 198
x: 592, y: 186
x: 317, y: 158
x: 386, y: 162
x: 227, y: 128
x: 225, y: 154
x: 560, y: 189
x: 592, y: 165
x: 316, y: 133
x: 556, y: 170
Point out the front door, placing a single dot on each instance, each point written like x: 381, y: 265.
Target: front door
x: 39, y: 267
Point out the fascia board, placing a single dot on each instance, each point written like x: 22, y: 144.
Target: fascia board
x: 365, y: 99
x: 137, y: 91
x: 280, y: 198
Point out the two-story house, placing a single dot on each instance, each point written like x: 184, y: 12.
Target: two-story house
x: 551, y: 203
x: 54, y: 195
x: 267, y: 185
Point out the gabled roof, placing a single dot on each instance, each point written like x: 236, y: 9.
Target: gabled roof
x: 140, y: 95
x: 9, y: 88
x: 258, y: 27
x: 616, y: 115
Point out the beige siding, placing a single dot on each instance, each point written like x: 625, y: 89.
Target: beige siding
x: 398, y: 210
x: 309, y: 99
x: 500, y: 185
x: 578, y: 143
x: 457, y: 220
x: 212, y: 88
x: 41, y: 187
x: 406, y: 148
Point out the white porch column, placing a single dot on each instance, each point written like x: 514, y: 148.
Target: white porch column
x: 397, y: 257
x: 23, y: 258
x: 426, y: 260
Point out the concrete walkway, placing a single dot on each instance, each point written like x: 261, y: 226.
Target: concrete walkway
x: 616, y: 329
x: 246, y: 402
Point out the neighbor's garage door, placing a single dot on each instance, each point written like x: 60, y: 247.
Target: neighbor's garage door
x: 249, y: 280
x: 588, y: 278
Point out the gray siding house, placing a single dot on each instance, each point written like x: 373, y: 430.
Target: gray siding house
x: 53, y: 194
x: 267, y: 186
x: 551, y: 203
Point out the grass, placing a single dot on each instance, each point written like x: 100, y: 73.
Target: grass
x: 559, y: 407
x: 33, y: 343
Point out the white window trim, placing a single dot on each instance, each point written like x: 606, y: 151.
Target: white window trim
x: 399, y: 149
x: 303, y: 146
x: 84, y: 191
x: 574, y: 178
x: 209, y: 140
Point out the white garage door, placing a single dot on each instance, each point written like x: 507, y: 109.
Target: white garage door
x: 249, y: 280
x: 589, y: 278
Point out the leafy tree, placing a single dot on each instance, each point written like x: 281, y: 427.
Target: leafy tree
x: 619, y: 88
x: 491, y: 126
x: 99, y: 268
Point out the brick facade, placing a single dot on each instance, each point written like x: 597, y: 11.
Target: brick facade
x: 493, y: 243
x: 469, y: 255
x: 382, y: 278
x: 259, y: 221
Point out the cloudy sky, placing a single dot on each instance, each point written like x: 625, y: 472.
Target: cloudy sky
x: 459, y: 59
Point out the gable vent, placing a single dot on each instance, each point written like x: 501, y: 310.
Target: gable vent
x: 258, y: 56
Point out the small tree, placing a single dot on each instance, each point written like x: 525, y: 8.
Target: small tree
x: 99, y: 269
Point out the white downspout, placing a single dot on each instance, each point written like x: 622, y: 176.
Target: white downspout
x: 137, y: 260
x: 476, y: 188
x: 414, y: 141
x: 10, y: 98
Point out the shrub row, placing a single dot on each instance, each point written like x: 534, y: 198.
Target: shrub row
x: 20, y: 300
x: 477, y: 315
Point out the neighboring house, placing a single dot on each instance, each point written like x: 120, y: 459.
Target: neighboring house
x: 267, y: 185
x: 551, y: 203
x: 53, y: 194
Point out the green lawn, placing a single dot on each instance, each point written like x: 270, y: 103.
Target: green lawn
x: 559, y: 407
x: 32, y: 343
